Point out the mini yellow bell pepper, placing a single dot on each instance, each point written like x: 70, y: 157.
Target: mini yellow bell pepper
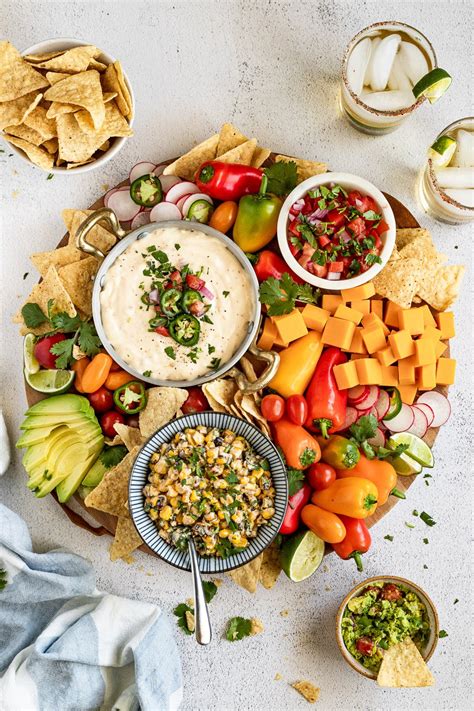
x: 297, y: 364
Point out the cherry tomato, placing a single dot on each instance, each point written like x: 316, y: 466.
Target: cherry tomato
x: 117, y: 379
x: 96, y: 373
x: 43, y: 353
x: 132, y: 421
x: 297, y: 409
x: 108, y: 420
x: 196, y: 402
x: 114, y: 367
x: 320, y: 476
x: 102, y: 400
x: 273, y: 407
x: 224, y: 216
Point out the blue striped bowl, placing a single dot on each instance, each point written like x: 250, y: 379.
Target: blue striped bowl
x: 139, y: 478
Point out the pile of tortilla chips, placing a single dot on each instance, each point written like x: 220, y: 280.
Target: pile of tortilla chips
x: 231, y: 146
x: 417, y: 272
x: 404, y: 667
x: 62, y: 108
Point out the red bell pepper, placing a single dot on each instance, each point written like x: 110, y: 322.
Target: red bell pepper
x: 326, y: 403
x: 356, y: 542
x: 268, y: 264
x: 296, y: 503
x: 228, y: 181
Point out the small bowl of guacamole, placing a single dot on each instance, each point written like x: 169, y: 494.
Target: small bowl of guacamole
x: 379, y: 613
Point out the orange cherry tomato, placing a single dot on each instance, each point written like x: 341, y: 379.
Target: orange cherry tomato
x: 272, y: 407
x: 96, y: 373
x: 117, y: 379
x: 79, y: 367
x: 323, y: 523
x: 224, y: 216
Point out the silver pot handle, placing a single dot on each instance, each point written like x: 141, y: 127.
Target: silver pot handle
x: 103, y: 214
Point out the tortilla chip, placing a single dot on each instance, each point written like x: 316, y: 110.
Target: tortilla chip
x: 57, y: 109
x: 305, y: 168
x: 213, y: 403
x: 130, y: 436
x: 26, y: 133
x: 98, y: 66
x: 37, y: 58
x: 38, y: 120
x: 407, y: 234
x: 105, y: 146
x: 69, y: 166
x: 187, y: 165
x: 421, y: 248
x: 98, y: 236
x: 249, y: 404
x: 72, y: 61
x: 36, y: 155
x: 220, y: 392
x: 57, y: 258
x: 162, y: 405
x: 237, y: 408
x: 403, y: 667
x: 112, y: 82
x: 111, y: 495
x: 308, y: 690
x: 240, y: 154
x: 84, y: 90
x: 54, y: 77
x: 259, y: 157
x: 256, y: 626
x: 126, y: 540
x: 17, y: 77
x: 440, y: 286
x: 271, y: 566
x: 124, y: 90
x: 78, y: 279
x: 51, y: 146
x: 14, y: 112
x: 229, y: 137
x: 247, y: 575
x: 50, y: 288
x: 398, y: 281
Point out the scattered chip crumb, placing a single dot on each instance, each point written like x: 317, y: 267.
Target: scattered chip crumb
x: 129, y: 559
x: 189, y: 620
x: 105, y: 187
x: 325, y: 569
x: 284, y: 613
x: 278, y: 677
x: 150, y: 575
x: 307, y: 690
x: 257, y: 626
x: 190, y: 602
x: 327, y: 588
x: 15, y: 194
x: 217, y: 582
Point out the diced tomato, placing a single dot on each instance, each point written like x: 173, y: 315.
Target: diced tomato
x: 176, y: 277
x: 336, y: 218
x: 382, y: 227
x: 336, y: 266
x: 353, y: 196
x: 293, y: 227
x: 390, y: 592
x: 194, y: 282
x: 197, y: 308
x: 377, y: 241
x: 162, y: 330
x: 317, y: 269
x: 324, y: 241
x: 293, y: 249
x: 365, y: 645
x: 308, y: 206
x: 364, y: 204
x: 357, y: 226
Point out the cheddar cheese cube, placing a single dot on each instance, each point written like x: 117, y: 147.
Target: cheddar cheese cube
x: 445, y: 371
x: 356, y: 356
x: 374, y: 339
x: 440, y: 348
x: 314, y: 317
x: 369, y: 371
x: 346, y: 375
x: 373, y: 321
x: 330, y: 302
x: 365, y: 291
x: 424, y: 352
x: 386, y: 356
x: 357, y: 343
x: 348, y: 314
x: 406, y: 371
x: 389, y: 375
x: 268, y: 336
x: 411, y: 320
x: 408, y: 393
x: 433, y: 333
x: 279, y: 341
x: 290, y: 326
x: 376, y: 307
x: 402, y: 344
x: 445, y: 321
x: 391, y: 314
x: 428, y: 319
x: 338, y: 333
x: 426, y: 377
x: 361, y: 305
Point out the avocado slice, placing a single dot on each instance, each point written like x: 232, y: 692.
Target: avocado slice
x: 36, y: 435
x: 70, y: 457
x: 66, y: 488
x: 42, y: 421
x: 60, y: 405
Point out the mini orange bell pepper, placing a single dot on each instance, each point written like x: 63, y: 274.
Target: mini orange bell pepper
x: 324, y: 524
x: 380, y: 472
x: 299, y: 448
x: 297, y: 365
x: 79, y: 367
x: 354, y: 497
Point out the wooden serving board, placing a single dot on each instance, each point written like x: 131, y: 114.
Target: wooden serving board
x: 105, y: 523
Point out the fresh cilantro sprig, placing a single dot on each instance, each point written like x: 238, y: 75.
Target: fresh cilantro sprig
x: 238, y: 628
x: 111, y: 456
x: 296, y: 481
x: 210, y: 589
x: 33, y: 316
x: 280, y: 295
x: 282, y: 177
x: 3, y: 579
x: 363, y: 430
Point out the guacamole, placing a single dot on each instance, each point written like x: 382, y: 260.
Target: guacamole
x: 381, y: 616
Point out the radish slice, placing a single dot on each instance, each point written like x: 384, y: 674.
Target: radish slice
x: 427, y: 411
x: 368, y: 411
x: 378, y: 440
x: 181, y: 202
x: 193, y: 198
x: 439, y: 404
x: 167, y: 182
x: 351, y: 416
x: 383, y: 404
x: 123, y: 206
x: 401, y: 422
x: 143, y: 218
x: 357, y: 394
x: 165, y: 211
x: 179, y: 190
x: 420, y: 423
x: 108, y: 194
x: 142, y: 168
x: 159, y: 170
x: 370, y: 399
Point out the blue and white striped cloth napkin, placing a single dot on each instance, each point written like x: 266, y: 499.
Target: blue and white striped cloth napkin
x: 66, y: 646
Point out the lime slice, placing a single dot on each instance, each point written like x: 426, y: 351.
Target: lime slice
x: 417, y: 449
x: 301, y: 555
x: 30, y: 363
x: 442, y: 151
x: 50, y: 382
x: 433, y: 85
x: 405, y: 465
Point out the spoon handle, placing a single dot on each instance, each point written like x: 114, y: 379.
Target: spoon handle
x: 201, y: 614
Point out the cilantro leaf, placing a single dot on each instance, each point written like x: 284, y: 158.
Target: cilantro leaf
x: 307, y: 294
x: 232, y: 478
x: 210, y: 589
x: 388, y: 538
x: 3, y: 578
x: 365, y: 428
x: 180, y: 612
x: 427, y: 519
x: 169, y: 350
x: 296, y: 480
x: 33, y: 315
x: 89, y: 341
x: 442, y: 634
x: 282, y: 177
x: 111, y: 456
x: 63, y: 351
x: 371, y: 215
x: 238, y: 628
x: 61, y: 321
x: 371, y: 259
x: 280, y: 295
x: 383, y: 452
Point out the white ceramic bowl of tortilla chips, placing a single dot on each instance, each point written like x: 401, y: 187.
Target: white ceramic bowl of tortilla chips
x: 430, y: 646
x: 116, y: 144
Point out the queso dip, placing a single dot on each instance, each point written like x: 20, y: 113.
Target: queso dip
x: 176, y: 304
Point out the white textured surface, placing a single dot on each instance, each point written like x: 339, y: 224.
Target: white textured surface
x: 273, y: 69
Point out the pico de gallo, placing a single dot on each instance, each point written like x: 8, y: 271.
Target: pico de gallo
x: 335, y: 234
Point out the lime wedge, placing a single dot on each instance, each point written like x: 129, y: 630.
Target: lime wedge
x: 433, y: 85
x: 442, y: 151
x: 405, y: 465
x: 417, y: 449
x: 30, y: 363
x: 50, y: 382
x: 301, y: 555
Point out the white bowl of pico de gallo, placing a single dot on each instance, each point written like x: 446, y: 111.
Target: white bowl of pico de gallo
x: 336, y: 231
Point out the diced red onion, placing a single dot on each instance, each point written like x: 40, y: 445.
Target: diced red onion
x: 333, y: 276
x: 291, y: 217
x: 154, y: 296
x: 319, y: 214
x: 205, y: 292
x: 345, y: 236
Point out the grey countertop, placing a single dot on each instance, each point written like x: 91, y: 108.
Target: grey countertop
x: 272, y: 68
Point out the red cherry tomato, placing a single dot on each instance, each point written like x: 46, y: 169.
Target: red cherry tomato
x: 114, y: 367
x: 43, y: 353
x: 196, y: 402
x: 108, y: 420
x: 132, y: 421
x: 320, y: 476
x: 297, y: 409
x: 101, y: 400
x: 273, y: 407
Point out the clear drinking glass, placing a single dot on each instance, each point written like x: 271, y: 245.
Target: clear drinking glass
x: 403, y: 60
x: 446, y: 187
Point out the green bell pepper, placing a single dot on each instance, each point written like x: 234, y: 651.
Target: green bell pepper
x: 257, y: 218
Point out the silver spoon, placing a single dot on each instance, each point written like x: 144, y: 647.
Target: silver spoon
x: 202, y: 621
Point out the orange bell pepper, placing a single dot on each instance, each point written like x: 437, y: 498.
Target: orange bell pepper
x: 380, y: 472
x: 117, y: 379
x: 299, y: 448
x: 324, y: 524
x: 354, y: 497
x: 297, y: 365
